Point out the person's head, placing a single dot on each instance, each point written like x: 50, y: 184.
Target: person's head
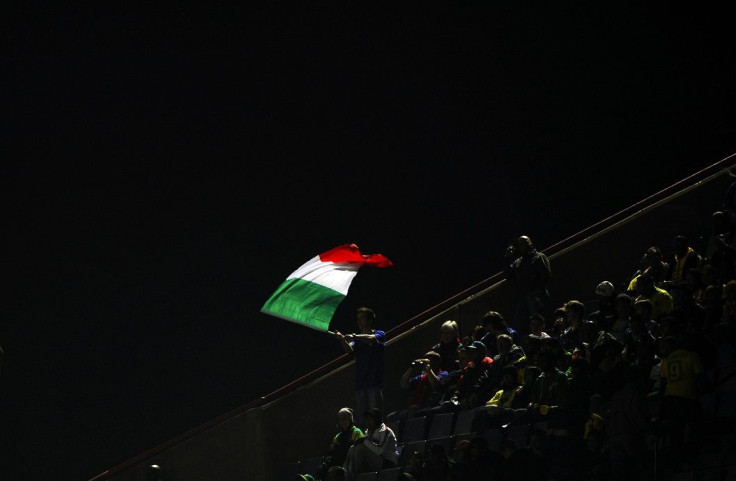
x: 547, y: 361
x: 365, y: 317
x: 574, y: 311
x: 694, y: 279
x: 504, y: 343
x: 509, y: 377
x: 531, y: 373
x: 478, y: 351
x: 680, y: 245
x: 653, y: 257
x: 336, y: 473
x: 448, y: 332
x: 493, y: 322
x: 434, y: 360
x: 524, y: 245
x: 373, y: 418
x: 536, y: 324
x: 643, y: 309
x: 712, y: 295
x: 721, y: 222
x: 345, y: 419
x: 709, y: 274
x: 463, y: 356
x: 478, y: 333
x: 645, y: 285
x: 605, y: 291
x: 589, y: 332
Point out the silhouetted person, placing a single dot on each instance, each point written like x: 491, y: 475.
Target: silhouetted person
x: 368, y: 347
x: 530, y: 271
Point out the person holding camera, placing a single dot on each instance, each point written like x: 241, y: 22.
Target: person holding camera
x: 426, y: 380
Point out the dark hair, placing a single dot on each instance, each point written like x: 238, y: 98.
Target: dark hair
x: 493, y: 318
x: 368, y: 311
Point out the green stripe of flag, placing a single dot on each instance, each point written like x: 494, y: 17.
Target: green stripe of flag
x: 304, y: 302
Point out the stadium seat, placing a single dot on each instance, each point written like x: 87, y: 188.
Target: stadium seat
x: 310, y: 465
x: 409, y: 449
x: 441, y: 426
x: 413, y: 430
x: 445, y: 442
x: 464, y: 422
x: 389, y: 474
x: 371, y: 476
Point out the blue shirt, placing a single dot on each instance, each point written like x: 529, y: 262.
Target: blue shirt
x: 369, y: 361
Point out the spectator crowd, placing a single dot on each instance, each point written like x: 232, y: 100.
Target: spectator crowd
x: 634, y: 384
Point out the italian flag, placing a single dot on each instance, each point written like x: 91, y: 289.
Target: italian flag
x: 310, y: 295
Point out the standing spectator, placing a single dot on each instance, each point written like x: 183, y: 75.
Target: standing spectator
x: 685, y: 258
x: 654, y: 266
x: 368, y: 347
x: 530, y: 271
x: 447, y: 347
x: 377, y: 450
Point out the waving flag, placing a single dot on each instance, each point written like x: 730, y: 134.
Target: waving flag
x: 311, y: 294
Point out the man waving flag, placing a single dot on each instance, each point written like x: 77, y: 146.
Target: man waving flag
x: 310, y: 295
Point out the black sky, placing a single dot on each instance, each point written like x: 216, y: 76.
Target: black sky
x: 168, y: 167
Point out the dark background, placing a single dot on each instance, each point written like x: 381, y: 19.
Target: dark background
x: 166, y: 168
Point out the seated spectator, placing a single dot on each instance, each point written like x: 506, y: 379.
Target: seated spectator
x: 427, y: 382
x: 605, y: 298
x: 536, y: 326
x: 623, y: 308
x: 636, y: 334
x: 660, y: 299
x: 685, y: 258
x: 682, y: 382
x: 343, y: 440
x: 653, y: 266
x: 471, y: 386
x: 560, y: 324
x: 551, y: 385
x: 376, y: 451
x: 721, y: 250
x: 570, y: 339
x: 447, y: 347
x: 495, y: 324
x: 643, y: 311
x: 501, y: 407
x: 508, y: 355
x: 336, y: 473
